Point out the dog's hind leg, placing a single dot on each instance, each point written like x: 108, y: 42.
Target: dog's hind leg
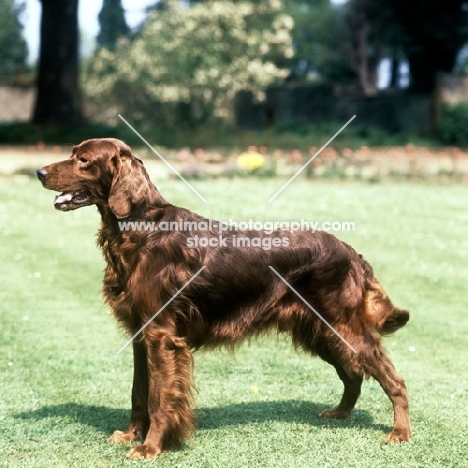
x: 370, y: 360
x: 379, y: 366
x: 332, y: 350
x: 351, y: 378
x: 352, y: 389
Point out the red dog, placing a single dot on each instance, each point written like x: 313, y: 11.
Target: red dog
x: 232, y: 295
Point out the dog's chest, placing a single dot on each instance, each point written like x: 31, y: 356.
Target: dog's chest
x: 116, y: 288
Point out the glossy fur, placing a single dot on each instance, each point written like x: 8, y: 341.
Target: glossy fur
x: 235, y: 297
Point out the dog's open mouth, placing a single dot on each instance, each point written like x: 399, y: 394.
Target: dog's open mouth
x: 71, y: 200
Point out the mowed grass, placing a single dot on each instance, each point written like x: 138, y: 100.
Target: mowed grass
x: 64, y: 388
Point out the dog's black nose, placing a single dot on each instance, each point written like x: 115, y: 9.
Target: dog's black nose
x: 41, y: 174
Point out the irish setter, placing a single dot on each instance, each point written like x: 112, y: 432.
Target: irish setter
x: 340, y: 314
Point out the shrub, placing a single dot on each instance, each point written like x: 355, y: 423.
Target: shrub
x: 453, y: 124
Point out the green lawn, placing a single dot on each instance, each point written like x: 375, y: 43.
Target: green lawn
x: 64, y: 389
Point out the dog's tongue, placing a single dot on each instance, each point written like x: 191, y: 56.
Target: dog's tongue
x: 63, y: 198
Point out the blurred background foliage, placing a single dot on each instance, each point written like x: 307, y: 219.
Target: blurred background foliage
x: 13, y: 46
x: 186, y: 64
x: 223, y: 67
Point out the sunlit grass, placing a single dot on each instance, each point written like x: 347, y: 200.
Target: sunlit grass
x: 64, y: 389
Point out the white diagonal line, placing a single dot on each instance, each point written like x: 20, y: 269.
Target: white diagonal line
x: 312, y: 158
x: 312, y: 309
x: 161, y: 309
x: 162, y: 159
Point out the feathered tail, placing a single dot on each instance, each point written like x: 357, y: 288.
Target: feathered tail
x: 386, y: 318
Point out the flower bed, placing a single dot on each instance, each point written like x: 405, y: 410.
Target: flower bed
x: 373, y: 164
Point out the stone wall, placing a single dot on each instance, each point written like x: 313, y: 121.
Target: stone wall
x: 452, y: 88
x: 16, y: 104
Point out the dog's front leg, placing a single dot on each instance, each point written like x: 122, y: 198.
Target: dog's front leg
x: 139, y: 420
x: 171, y: 418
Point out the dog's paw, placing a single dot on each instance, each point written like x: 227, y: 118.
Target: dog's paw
x: 122, y: 437
x: 398, y: 435
x: 143, y: 452
x: 334, y: 414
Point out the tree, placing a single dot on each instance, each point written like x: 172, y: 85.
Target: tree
x: 192, y: 59
x: 13, y: 47
x: 432, y: 35
x: 343, y: 44
x: 112, y: 24
x: 320, y: 39
x: 58, y: 98
x: 373, y: 33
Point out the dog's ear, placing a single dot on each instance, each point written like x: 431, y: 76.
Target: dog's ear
x: 130, y: 183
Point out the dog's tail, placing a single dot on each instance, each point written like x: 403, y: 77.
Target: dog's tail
x: 380, y: 311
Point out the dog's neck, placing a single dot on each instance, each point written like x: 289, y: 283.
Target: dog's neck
x: 155, y: 199
x: 138, y: 212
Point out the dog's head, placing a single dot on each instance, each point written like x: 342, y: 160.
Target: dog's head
x: 103, y: 172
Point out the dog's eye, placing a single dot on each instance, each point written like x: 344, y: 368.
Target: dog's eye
x: 83, y: 160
